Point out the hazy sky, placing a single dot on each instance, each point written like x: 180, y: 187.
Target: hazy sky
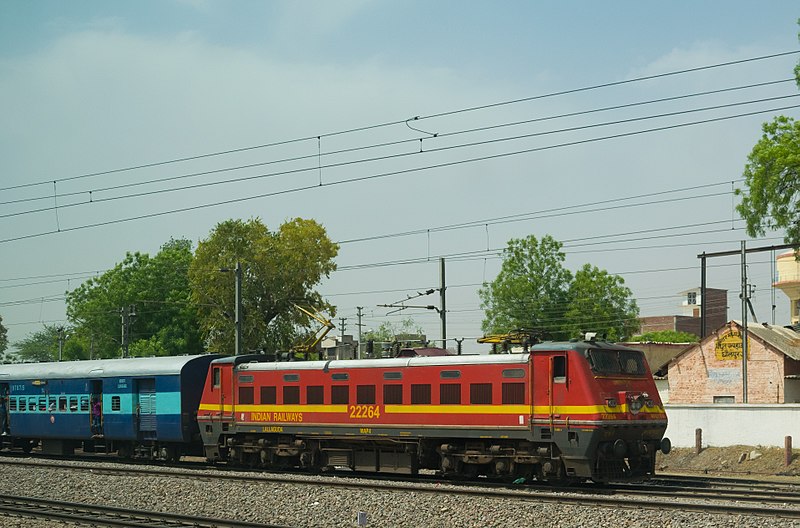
x: 91, y: 87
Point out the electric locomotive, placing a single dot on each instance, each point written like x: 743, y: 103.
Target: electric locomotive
x: 561, y: 412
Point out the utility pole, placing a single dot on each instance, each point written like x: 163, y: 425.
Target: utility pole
x: 359, y: 325
x: 238, y: 315
x: 744, y: 296
x: 443, y: 310
x: 128, y: 314
x: 60, y: 341
x: 342, y: 327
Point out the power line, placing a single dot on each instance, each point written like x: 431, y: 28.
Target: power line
x: 397, y: 122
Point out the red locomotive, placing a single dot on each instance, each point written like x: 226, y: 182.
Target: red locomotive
x: 560, y: 412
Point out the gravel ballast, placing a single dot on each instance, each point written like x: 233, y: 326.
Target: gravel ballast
x: 300, y: 505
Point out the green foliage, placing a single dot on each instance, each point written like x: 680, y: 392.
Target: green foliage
x: 166, y: 320
x: 534, y: 291
x: 280, y: 269
x: 600, y: 302
x: 386, y: 332
x: 665, y: 336
x: 772, y: 177
x: 42, y: 345
x: 3, y: 337
x: 531, y: 289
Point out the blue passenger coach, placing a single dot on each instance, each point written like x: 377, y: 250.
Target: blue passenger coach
x: 143, y: 407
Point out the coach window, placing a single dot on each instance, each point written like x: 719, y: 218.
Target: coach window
x: 215, y: 382
x: 268, y: 395
x: 559, y: 369
x: 32, y: 404
x: 43, y: 404
x: 420, y: 394
x: 450, y: 374
x: 365, y: 394
x: 340, y: 394
x: 315, y: 395
x: 291, y: 395
x: 62, y: 403
x: 480, y: 393
x: 52, y: 406
x: 84, y: 403
x: 246, y: 395
x: 73, y: 404
x: 450, y: 394
x: 392, y: 394
x: 513, y: 393
x: 12, y: 404
x: 291, y: 377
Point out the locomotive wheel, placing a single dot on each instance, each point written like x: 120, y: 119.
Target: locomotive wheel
x: 27, y: 446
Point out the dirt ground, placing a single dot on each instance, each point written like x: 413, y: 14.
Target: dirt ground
x: 734, y: 460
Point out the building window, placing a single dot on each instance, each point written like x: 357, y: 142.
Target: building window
x: 268, y: 395
x: 724, y: 399
x: 246, y: 395
x: 392, y: 394
x: 450, y: 394
x: 340, y: 394
x: 420, y: 394
x: 691, y: 298
x: 315, y: 395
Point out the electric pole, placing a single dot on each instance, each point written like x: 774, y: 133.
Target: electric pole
x: 442, y: 310
x: 359, y: 325
x: 342, y: 327
x: 128, y: 314
x: 744, y: 322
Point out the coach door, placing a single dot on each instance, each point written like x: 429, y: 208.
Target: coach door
x: 146, y: 408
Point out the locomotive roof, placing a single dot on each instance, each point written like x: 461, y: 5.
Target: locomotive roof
x: 98, y: 368
x: 580, y: 346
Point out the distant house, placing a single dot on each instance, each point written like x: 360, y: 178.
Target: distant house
x: 716, y: 301
x: 711, y: 371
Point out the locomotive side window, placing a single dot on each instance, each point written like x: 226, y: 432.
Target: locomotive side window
x: 392, y: 394
x: 420, y: 394
x: 480, y: 393
x: 115, y: 403
x: 245, y: 378
x: 291, y: 377
x: 268, y: 395
x: 215, y: 383
x: 340, y: 394
x: 513, y: 393
x: 246, y: 396
x: 340, y: 376
x: 450, y: 394
x: 365, y: 394
x: 450, y: 374
x: 514, y: 373
x: 291, y: 395
x: 315, y: 395
x: 560, y: 369
x: 392, y: 375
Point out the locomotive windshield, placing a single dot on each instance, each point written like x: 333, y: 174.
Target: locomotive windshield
x: 626, y: 362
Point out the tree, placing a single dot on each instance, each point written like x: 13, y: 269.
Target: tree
x: 600, y: 302
x: 772, y: 178
x: 279, y: 270
x: 531, y: 289
x: 387, y: 331
x: 156, y: 289
x: 665, y: 336
x: 3, y: 337
x: 534, y: 291
x: 42, y: 345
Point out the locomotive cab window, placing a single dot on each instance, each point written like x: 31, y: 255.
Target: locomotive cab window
x: 215, y: 383
x: 559, y: 369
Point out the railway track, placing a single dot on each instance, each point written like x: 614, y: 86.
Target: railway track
x: 97, y: 515
x: 726, y: 498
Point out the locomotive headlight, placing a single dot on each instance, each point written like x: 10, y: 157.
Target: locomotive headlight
x: 611, y: 402
x: 650, y: 403
x: 636, y: 404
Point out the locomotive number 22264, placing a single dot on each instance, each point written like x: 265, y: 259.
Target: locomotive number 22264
x: 365, y: 411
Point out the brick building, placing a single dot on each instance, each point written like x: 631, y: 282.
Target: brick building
x: 711, y: 370
x: 716, y: 301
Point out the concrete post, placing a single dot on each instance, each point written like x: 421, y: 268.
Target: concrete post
x: 698, y: 441
x: 787, y: 450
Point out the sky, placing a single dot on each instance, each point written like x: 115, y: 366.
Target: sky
x: 411, y: 130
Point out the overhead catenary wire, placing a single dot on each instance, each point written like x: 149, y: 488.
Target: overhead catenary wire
x: 416, y: 118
